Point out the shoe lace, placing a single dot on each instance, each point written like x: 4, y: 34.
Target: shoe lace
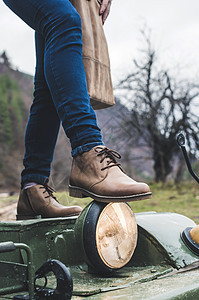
x: 49, y: 190
x: 111, y: 154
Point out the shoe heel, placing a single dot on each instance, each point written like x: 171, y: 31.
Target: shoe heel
x: 75, y: 192
x: 27, y: 217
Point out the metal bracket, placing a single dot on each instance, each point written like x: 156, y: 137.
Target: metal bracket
x: 10, y: 246
x: 181, y: 143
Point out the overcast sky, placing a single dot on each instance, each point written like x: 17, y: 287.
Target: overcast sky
x: 174, y: 25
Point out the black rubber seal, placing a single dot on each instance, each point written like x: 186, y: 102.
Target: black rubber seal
x: 89, y: 238
x: 193, y: 246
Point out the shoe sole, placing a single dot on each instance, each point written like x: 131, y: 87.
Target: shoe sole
x: 82, y: 193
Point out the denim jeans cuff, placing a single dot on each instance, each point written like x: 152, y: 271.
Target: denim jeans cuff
x: 85, y: 148
x: 40, y: 179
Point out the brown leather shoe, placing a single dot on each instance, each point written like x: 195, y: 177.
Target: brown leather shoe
x: 38, y: 201
x: 98, y: 175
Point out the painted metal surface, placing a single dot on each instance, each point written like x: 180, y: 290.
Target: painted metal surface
x: 136, y: 283
x: 178, y: 287
x: 48, y: 238
x: 160, y: 249
x: 164, y: 231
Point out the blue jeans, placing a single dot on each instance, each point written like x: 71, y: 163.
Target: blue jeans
x: 60, y: 93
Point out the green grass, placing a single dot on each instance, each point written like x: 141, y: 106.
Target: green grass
x: 182, y: 199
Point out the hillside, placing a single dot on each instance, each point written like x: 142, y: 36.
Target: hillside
x: 15, y: 95
x: 16, y: 90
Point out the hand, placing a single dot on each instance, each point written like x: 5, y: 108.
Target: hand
x: 105, y: 9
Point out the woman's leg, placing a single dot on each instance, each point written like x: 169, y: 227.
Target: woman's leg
x: 43, y: 125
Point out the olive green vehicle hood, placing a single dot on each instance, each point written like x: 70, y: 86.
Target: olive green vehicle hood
x: 162, y: 267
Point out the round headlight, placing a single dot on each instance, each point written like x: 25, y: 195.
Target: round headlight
x: 190, y: 236
x: 109, y: 235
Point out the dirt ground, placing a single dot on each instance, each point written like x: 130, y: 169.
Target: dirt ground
x: 8, y: 211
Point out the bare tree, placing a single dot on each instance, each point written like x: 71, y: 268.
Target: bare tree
x: 161, y: 106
